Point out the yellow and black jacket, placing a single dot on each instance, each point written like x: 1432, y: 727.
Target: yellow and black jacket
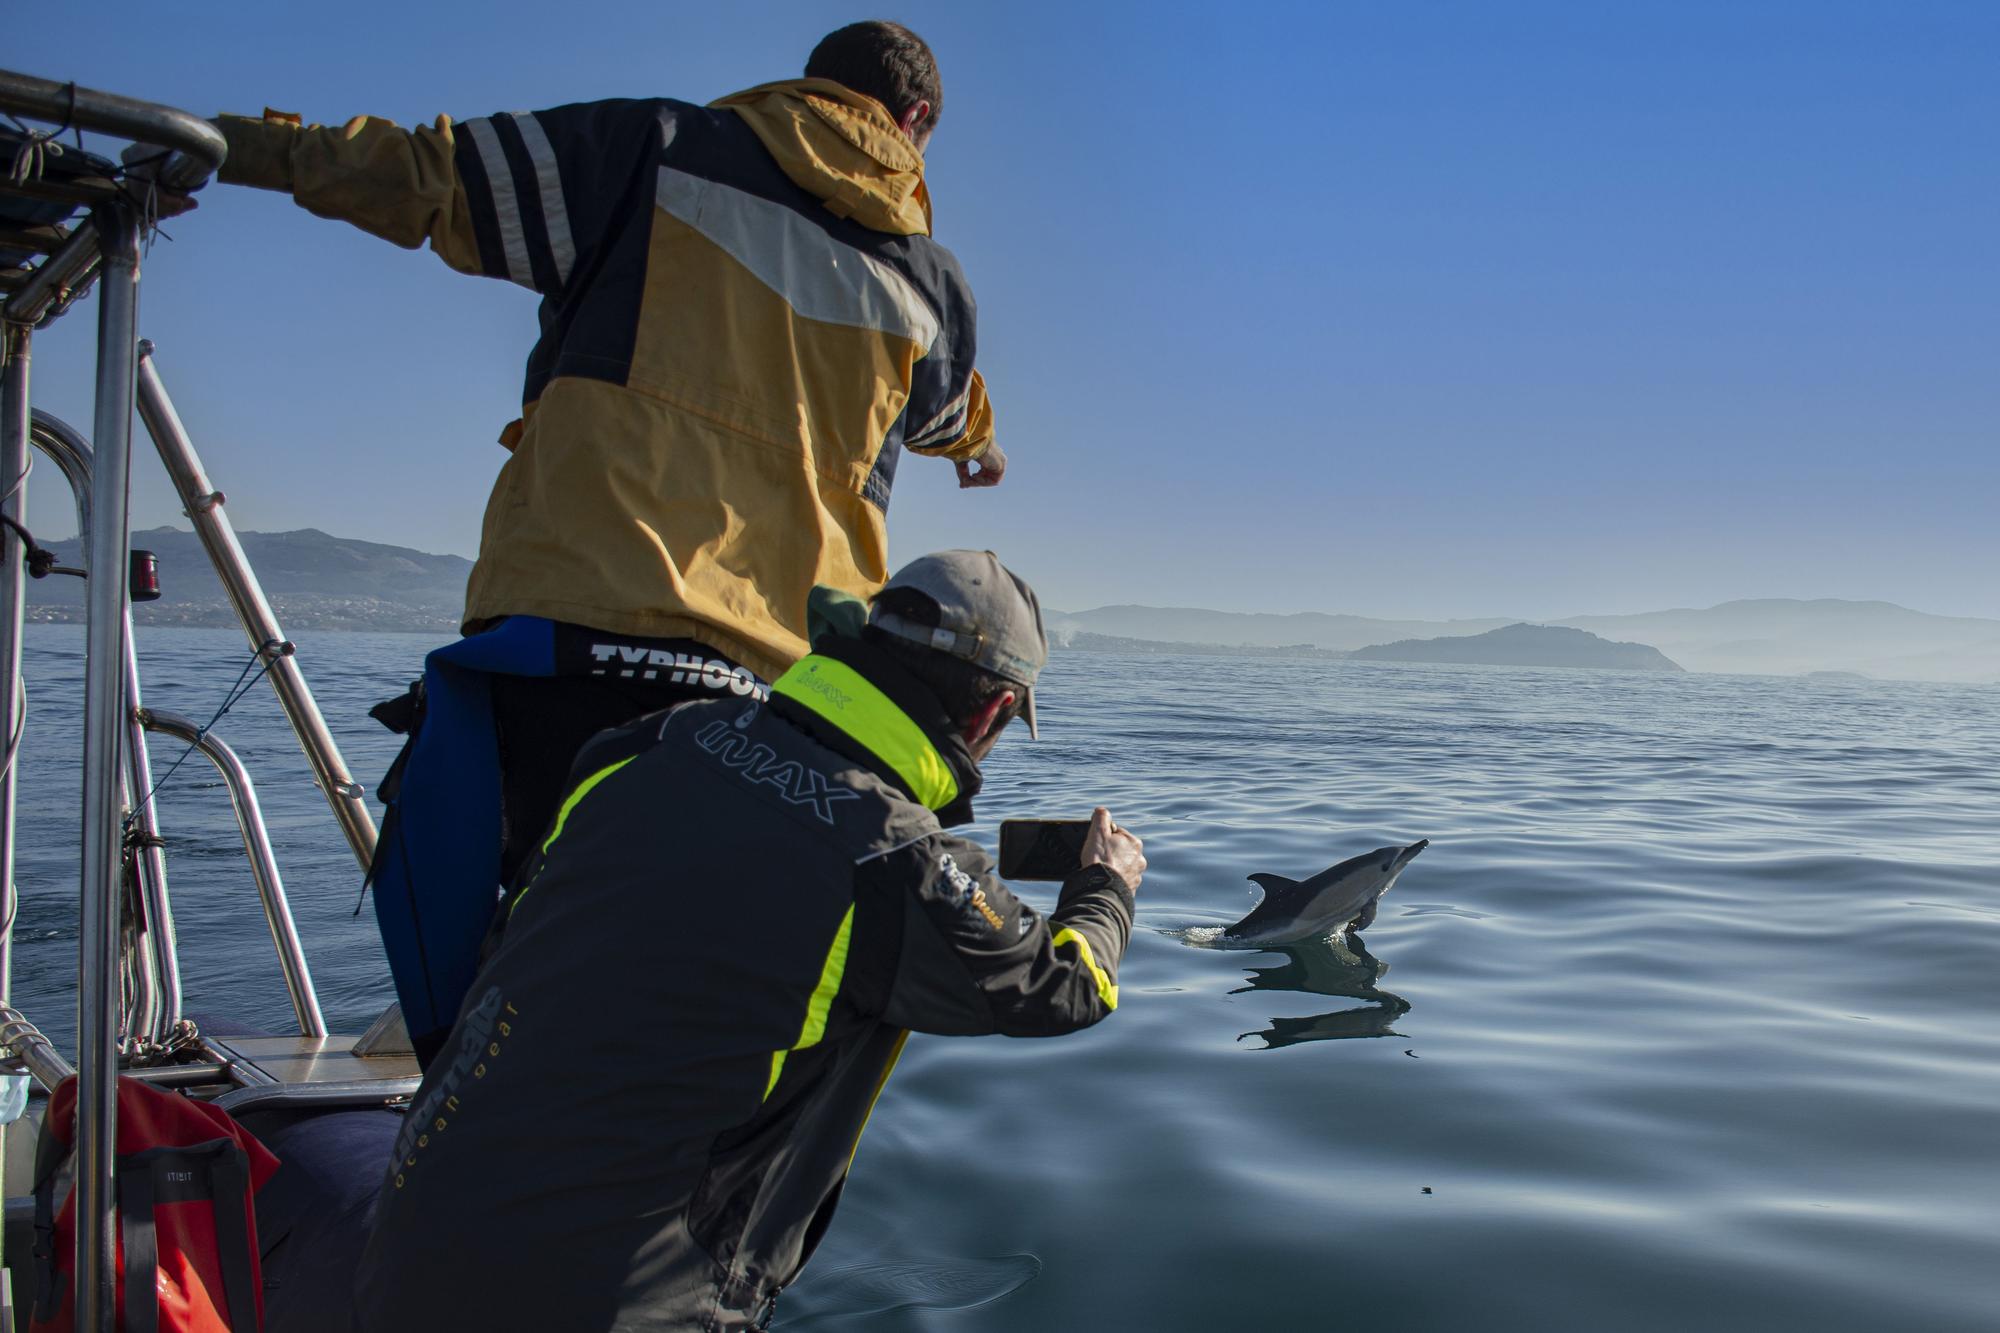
x: 662, y: 1072
x: 744, y: 323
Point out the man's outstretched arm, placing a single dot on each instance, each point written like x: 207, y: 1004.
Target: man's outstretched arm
x: 498, y: 196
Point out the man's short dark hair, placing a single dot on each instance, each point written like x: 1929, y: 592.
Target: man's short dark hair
x: 886, y: 61
x: 960, y: 686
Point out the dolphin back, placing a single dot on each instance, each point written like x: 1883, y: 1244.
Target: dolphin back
x: 1340, y: 897
x: 1282, y: 899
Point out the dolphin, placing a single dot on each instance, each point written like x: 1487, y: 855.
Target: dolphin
x: 1339, y: 898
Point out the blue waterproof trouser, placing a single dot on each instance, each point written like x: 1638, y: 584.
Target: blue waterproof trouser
x: 436, y: 873
x: 438, y: 866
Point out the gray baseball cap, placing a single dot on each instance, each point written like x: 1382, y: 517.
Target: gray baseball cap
x: 986, y: 615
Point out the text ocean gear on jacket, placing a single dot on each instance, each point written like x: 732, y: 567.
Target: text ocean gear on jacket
x: 740, y: 912
x: 744, y: 324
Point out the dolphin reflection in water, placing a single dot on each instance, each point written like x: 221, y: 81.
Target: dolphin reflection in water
x: 1339, y: 966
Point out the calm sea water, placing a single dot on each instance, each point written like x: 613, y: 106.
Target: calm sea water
x: 1688, y: 1018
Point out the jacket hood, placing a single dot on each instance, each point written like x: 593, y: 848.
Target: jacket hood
x: 843, y: 147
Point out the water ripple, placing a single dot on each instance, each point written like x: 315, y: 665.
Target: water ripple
x: 1685, y: 1020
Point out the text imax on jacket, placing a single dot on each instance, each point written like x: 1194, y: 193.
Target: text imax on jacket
x: 744, y: 323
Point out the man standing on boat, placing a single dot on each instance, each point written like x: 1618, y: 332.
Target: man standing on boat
x: 646, y: 1112
x: 745, y: 322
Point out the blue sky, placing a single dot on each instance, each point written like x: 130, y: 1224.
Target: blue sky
x: 1438, y: 307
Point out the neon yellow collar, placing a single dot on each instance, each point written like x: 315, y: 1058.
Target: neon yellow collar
x: 847, y: 699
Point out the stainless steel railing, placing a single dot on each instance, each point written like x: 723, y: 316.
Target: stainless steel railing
x: 263, y: 862
x: 160, y: 975
x: 35, y: 1052
x: 154, y: 1008
x: 204, y: 506
x: 104, y: 714
x: 197, y: 145
x: 196, y: 148
x: 114, y: 234
x: 14, y: 347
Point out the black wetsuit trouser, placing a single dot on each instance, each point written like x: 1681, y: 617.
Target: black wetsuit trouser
x: 542, y: 721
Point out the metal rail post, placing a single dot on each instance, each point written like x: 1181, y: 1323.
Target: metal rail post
x: 114, y: 235
x: 160, y: 981
x: 14, y: 347
x: 160, y: 1009
x: 103, y: 738
x: 204, y: 509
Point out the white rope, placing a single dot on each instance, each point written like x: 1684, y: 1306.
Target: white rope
x: 32, y: 155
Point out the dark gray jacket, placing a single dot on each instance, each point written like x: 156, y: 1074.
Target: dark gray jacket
x: 646, y: 1111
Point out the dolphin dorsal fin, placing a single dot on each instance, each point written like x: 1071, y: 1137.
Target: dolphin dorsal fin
x: 1274, y: 886
x: 1279, y: 894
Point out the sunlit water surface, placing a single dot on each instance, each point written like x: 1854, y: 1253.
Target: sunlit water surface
x: 1688, y: 1018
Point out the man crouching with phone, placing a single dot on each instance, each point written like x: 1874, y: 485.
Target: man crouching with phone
x: 739, y: 913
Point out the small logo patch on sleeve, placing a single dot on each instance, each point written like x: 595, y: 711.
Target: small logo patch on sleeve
x: 965, y: 894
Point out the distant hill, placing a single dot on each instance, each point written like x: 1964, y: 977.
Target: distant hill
x: 314, y: 580
x: 1083, y: 642
x: 1187, y: 625
x: 1769, y: 636
x: 1524, y: 645
x: 1784, y: 637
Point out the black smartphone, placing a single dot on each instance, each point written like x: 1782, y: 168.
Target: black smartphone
x: 1041, y: 848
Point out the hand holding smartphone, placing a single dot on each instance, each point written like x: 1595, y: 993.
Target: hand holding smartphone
x: 1054, y: 849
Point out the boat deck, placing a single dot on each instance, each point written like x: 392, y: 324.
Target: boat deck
x: 299, y: 1061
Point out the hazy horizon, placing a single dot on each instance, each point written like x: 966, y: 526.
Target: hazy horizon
x: 1532, y: 620
x: 1113, y: 602
x: 323, y: 581
x: 1405, y: 311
